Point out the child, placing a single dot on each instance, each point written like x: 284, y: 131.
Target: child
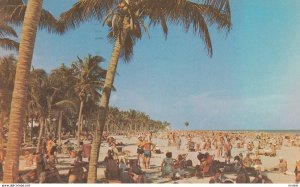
x: 167, y: 166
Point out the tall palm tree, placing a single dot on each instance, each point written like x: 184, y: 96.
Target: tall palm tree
x: 126, y: 20
x: 30, y: 15
x: 19, y: 98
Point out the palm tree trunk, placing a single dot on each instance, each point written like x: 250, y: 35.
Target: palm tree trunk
x: 59, y: 126
x: 107, y: 125
x: 19, y: 99
x: 25, y: 130
x: 1, y: 137
x: 104, y: 101
x: 83, y: 122
x: 49, y: 124
x: 38, y: 148
x: 31, y: 129
x: 46, y: 126
x: 79, y: 123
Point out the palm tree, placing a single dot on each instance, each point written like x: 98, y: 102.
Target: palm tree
x: 7, y: 75
x: 186, y: 124
x: 89, y: 76
x: 65, y: 101
x: 19, y: 98
x: 126, y: 20
x: 31, y: 16
x: 41, y: 98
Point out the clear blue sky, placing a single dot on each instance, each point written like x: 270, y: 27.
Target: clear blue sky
x: 251, y: 82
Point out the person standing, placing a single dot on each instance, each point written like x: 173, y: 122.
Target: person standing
x: 147, y: 147
x: 178, y: 142
x: 50, y: 144
x: 227, y: 151
x: 150, y: 136
x: 140, y: 150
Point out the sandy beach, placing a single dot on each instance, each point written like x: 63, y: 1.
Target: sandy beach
x: 153, y: 174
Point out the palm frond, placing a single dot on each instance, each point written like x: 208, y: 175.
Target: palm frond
x: 11, y: 2
x: 9, y: 44
x: 191, y: 14
x: 164, y: 26
x: 15, y: 13
x: 6, y: 30
x: 82, y: 11
x: 68, y: 104
x: 222, y: 5
x: 127, y: 50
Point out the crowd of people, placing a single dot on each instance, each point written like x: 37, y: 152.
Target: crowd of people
x: 215, y: 158
x: 221, y: 144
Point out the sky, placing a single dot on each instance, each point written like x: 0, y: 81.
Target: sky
x: 250, y: 83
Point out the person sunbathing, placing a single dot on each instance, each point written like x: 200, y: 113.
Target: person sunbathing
x: 282, y: 165
x: 242, y: 176
x: 136, y: 174
x: 247, y: 161
x: 218, y: 178
x: 50, y: 174
x: 112, y: 166
x: 180, y: 162
x: 76, y: 174
x: 261, y: 176
x: 29, y: 177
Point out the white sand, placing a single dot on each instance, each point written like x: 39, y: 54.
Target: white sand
x: 291, y: 154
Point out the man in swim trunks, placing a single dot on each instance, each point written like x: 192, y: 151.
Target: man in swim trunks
x: 147, y: 147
